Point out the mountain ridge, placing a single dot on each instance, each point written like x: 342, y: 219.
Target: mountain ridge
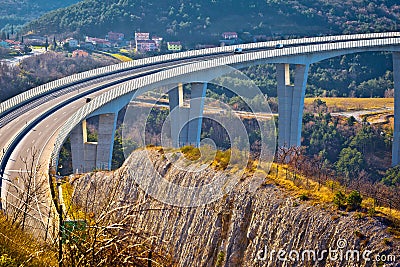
x: 204, y: 20
x: 18, y: 12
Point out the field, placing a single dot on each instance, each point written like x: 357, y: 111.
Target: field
x: 337, y: 104
x: 121, y: 57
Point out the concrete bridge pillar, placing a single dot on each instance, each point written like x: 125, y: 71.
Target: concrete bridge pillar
x: 186, y: 121
x: 290, y: 103
x: 88, y: 156
x: 396, y: 132
x: 105, y: 140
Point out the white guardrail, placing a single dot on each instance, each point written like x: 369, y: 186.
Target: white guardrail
x: 47, y: 88
x: 164, y: 76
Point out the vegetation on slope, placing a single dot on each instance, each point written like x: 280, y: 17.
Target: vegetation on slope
x: 18, y: 12
x: 326, y: 191
x: 340, y: 104
x: 107, y: 236
x: 197, y: 20
x: 18, y: 248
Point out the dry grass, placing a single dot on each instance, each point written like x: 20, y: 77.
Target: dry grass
x: 17, y: 248
x: 70, y: 210
x: 228, y: 160
x: 348, y: 104
x: 324, y: 194
x: 301, y: 185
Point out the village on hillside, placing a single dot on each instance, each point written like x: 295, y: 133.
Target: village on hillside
x: 141, y: 44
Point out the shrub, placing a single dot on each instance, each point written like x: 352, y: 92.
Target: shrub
x: 371, y: 211
x: 359, y: 216
x: 358, y: 234
x: 354, y: 200
x: 191, y: 153
x: 222, y: 159
x: 339, y: 200
x: 220, y: 258
x: 387, y: 242
x: 5, y: 260
x: 304, y: 197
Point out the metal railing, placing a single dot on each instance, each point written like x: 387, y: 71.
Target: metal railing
x: 47, y: 88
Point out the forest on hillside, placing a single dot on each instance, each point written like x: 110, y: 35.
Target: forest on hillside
x: 204, y: 20
x: 15, y: 13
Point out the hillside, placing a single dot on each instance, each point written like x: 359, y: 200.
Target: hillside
x: 256, y: 215
x: 198, y: 21
x: 18, y: 12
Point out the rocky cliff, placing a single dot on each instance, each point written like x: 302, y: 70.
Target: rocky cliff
x: 249, y: 226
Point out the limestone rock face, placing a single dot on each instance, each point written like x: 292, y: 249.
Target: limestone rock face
x: 248, y: 227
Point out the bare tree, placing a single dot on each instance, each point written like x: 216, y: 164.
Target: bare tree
x: 27, y: 198
x: 283, y: 157
x: 296, y: 160
x: 109, y: 236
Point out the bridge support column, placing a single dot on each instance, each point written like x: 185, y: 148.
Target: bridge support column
x: 81, y: 149
x: 105, y: 142
x: 186, y: 121
x: 88, y: 156
x: 290, y: 103
x: 196, y: 113
x: 396, y: 132
x: 176, y: 110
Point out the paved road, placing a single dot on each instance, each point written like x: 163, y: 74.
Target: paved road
x: 358, y: 114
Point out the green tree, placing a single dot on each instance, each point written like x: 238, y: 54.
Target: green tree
x: 350, y: 163
x: 392, y: 176
x: 354, y: 200
x: 46, y: 45
x: 339, y: 200
x: 122, y: 147
x: 364, y: 139
x: 351, y: 120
